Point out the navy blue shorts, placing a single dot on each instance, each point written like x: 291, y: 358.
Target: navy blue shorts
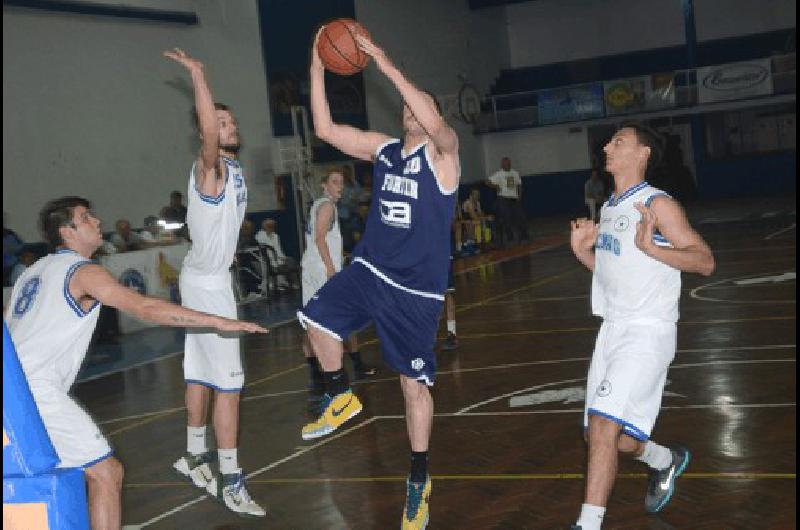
x: 406, y: 323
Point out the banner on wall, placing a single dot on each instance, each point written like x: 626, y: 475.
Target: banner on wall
x: 639, y: 94
x: 574, y: 103
x: 734, y: 81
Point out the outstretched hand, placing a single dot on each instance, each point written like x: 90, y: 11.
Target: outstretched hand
x: 227, y: 324
x: 182, y: 57
x: 645, y: 228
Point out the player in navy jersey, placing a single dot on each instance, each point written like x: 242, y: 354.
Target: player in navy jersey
x: 399, y: 273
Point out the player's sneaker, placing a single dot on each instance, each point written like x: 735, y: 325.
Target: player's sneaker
x: 231, y: 491
x: 196, y: 468
x: 450, y: 343
x: 417, y: 512
x: 661, y: 483
x: 335, y: 411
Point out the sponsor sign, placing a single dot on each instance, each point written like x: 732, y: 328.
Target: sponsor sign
x: 734, y: 81
x: 638, y: 94
x: 575, y: 103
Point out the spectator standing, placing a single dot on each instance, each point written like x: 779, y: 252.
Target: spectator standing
x: 510, y: 215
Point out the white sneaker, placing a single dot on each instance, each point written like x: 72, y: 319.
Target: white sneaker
x: 230, y: 490
x: 196, y: 468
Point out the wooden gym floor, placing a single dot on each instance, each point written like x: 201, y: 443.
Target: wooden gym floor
x: 507, y: 450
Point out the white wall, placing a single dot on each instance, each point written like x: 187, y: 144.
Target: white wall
x: 553, y: 31
x: 719, y: 19
x: 433, y: 43
x: 90, y: 107
x: 538, y: 151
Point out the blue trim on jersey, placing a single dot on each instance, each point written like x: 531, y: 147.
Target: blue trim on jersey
x: 210, y: 199
x: 68, y: 296
x: 613, y: 201
x: 66, y: 251
x: 98, y: 460
x: 215, y: 387
x: 660, y: 194
x: 628, y: 428
x: 231, y: 161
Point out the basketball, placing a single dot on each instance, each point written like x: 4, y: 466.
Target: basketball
x: 338, y: 49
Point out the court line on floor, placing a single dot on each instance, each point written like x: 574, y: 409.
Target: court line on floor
x: 790, y: 227
x: 509, y: 258
x: 565, y: 381
x: 720, y: 475
x: 269, y: 466
x: 461, y: 371
x: 329, y: 439
x: 694, y: 292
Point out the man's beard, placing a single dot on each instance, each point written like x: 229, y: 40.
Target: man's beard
x: 231, y: 148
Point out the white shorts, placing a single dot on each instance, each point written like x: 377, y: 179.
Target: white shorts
x: 76, y: 438
x: 311, y: 283
x: 211, y: 359
x: 627, y: 374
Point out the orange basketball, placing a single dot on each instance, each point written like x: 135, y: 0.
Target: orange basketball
x: 338, y: 49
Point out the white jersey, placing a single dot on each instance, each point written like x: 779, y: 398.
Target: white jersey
x: 50, y: 330
x: 214, y: 224
x: 627, y: 284
x: 311, y: 262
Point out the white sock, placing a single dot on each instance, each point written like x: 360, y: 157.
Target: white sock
x: 451, y: 326
x: 591, y: 517
x: 196, y: 440
x: 656, y: 456
x: 228, y: 461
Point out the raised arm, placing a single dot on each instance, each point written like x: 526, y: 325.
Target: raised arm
x: 424, y: 109
x: 583, y: 236
x: 206, y: 171
x: 349, y: 140
x: 689, y: 252
x: 95, y: 282
x: 322, y: 225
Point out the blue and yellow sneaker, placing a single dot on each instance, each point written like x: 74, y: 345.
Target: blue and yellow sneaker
x: 416, y: 512
x: 335, y: 411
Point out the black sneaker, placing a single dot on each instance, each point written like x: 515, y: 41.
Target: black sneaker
x: 450, y: 343
x: 661, y: 483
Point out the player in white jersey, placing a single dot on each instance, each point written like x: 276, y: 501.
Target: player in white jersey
x: 217, y: 199
x: 637, y: 253
x: 322, y: 259
x: 51, y: 316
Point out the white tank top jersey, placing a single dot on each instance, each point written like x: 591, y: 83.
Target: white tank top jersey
x: 214, y: 224
x: 627, y: 284
x: 50, y: 330
x: 312, y: 261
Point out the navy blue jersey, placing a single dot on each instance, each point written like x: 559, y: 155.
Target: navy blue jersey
x: 407, y: 237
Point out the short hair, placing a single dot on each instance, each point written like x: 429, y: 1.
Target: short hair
x: 324, y: 179
x: 650, y: 138
x: 196, y: 117
x: 176, y: 193
x: 58, y: 213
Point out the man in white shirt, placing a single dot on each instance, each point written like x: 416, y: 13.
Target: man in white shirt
x: 280, y: 262
x: 510, y: 214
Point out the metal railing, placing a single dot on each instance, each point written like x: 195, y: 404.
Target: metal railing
x: 662, y: 91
